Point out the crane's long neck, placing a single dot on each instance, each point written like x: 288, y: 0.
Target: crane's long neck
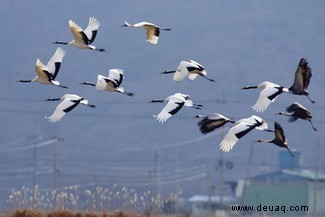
x: 53, y: 99
x: 88, y: 83
x: 157, y: 100
x: 265, y: 141
x: 249, y: 87
x: 283, y: 113
x: 61, y: 42
x: 126, y: 24
x: 197, y: 106
x: 24, y: 81
x: 168, y: 72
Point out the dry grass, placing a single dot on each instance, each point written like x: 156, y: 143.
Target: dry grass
x: 67, y: 213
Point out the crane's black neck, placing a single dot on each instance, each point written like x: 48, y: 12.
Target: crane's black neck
x: 157, y: 100
x: 88, y: 83
x: 53, y: 99
x: 249, y: 87
x: 24, y: 81
x: 60, y: 42
x: 168, y: 72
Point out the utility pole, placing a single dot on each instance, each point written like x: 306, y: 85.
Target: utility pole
x: 250, y: 157
x: 54, y: 144
x: 34, y: 171
x: 222, y: 159
x: 221, y: 180
x: 155, y: 181
x: 54, y: 164
x: 34, y: 168
x: 316, y: 179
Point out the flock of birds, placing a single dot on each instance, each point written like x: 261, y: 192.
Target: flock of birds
x: 83, y: 39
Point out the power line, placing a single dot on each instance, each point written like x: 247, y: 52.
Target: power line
x: 318, y: 106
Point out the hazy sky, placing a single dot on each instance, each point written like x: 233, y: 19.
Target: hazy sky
x: 239, y: 42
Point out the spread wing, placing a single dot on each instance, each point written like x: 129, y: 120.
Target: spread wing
x: 211, y: 122
x: 266, y: 97
x: 171, y: 108
x: 278, y: 131
x: 181, y: 71
x: 101, y: 82
x: 77, y: 32
x: 91, y: 30
x: 302, y: 76
x: 116, y: 76
x: 42, y: 71
x: 152, y: 34
x: 64, y: 107
x: 54, y: 63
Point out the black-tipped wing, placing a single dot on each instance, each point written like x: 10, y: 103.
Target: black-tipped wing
x: 296, y: 110
x: 91, y: 30
x: 64, y: 107
x: 278, y: 131
x: 174, y: 104
x: 54, y: 63
x: 116, y: 76
x: 208, y: 125
x: 292, y: 108
x: 302, y: 76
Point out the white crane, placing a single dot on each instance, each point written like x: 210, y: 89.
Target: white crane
x: 302, y: 78
x: 270, y: 91
x: 152, y: 30
x: 69, y: 102
x: 83, y: 39
x: 279, y: 138
x: 46, y: 74
x: 174, y: 104
x: 190, y: 68
x: 110, y: 83
x: 240, y: 129
x: 211, y: 122
x: 296, y: 110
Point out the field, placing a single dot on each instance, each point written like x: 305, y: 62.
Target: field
x: 70, y: 202
x: 65, y: 213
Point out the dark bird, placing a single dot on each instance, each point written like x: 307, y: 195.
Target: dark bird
x: 211, y: 122
x: 279, y: 139
x: 302, y: 79
x: 296, y: 111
